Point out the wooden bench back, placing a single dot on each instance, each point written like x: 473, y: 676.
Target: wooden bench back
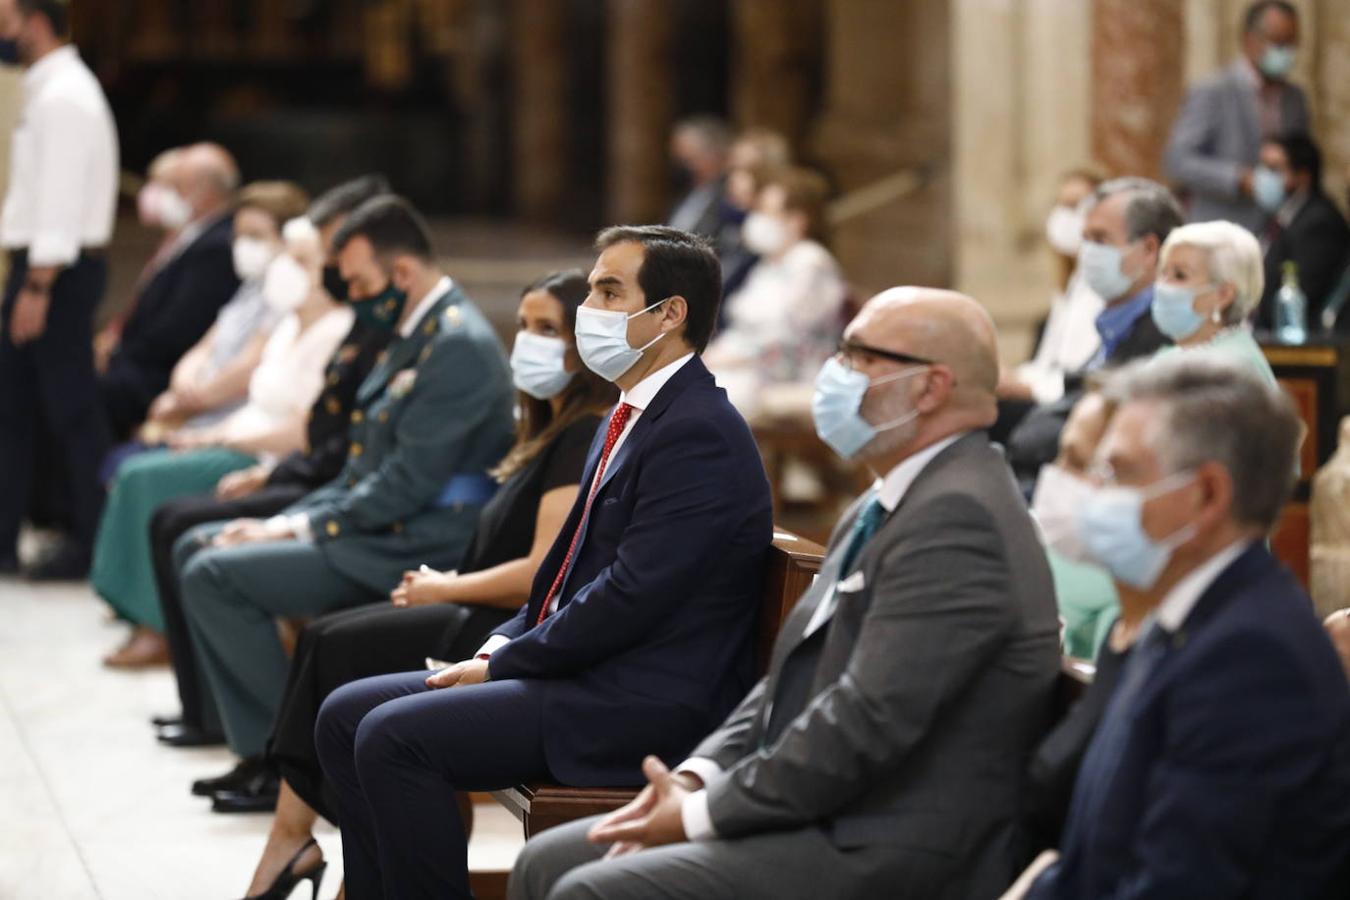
x: 792, y: 563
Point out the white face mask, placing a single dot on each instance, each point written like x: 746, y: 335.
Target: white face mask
x: 765, y: 235
x: 251, y: 257
x: 538, y: 365
x: 1064, y: 230
x: 286, y: 285
x: 173, y: 210
x: 602, y: 340
x: 1055, y: 504
x: 1103, y: 269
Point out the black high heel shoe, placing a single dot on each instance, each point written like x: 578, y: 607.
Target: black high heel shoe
x: 288, y: 878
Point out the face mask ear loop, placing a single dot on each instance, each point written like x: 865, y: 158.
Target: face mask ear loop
x: 650, y: 343
x: 898, y: 376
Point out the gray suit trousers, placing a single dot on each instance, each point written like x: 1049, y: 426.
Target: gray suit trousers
x: 561, y: 864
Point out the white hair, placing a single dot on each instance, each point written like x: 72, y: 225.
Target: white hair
x: 1232, y: 255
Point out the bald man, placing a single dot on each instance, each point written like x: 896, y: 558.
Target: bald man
x: 883, y: 753
x: 179, y: 301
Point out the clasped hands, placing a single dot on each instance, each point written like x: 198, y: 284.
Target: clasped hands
x: 654, y: 818
x: 253, y: 531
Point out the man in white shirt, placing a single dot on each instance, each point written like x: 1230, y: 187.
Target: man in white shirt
x: 57, y: 218
x: 882, y: 754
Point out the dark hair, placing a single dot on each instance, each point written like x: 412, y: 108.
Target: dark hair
x: 1303, y: 156
x: 56, y: 11
x: 586, y: 394
x: 675, y: 263
x: 392, y: 226
x: 1252, y: 20
x: 343, y: 198
x: 804, y: 191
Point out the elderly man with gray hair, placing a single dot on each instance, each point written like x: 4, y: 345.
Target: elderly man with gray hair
x: 1222, y: 765
x: 1126, y: 224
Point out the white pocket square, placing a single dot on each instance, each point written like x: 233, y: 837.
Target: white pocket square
x: 852, y: 584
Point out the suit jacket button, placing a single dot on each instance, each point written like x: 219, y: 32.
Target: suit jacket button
x: 384, y: 415
x: 358, y: 417
x: 397, y: 527
x: 332, y: 529
x: 356, y: 449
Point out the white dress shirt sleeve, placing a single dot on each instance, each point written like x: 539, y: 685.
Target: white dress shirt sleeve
x: 494, y: 643
x: 694, y: 814
x: 61, y: 132
x: 298, y: 523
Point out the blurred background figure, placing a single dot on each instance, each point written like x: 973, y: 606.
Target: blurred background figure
x: 1068, y: 338
x: 699, y: 148
x: 1216, y: 140
x: 756, y: 152
x: 57, y: 220
x: 176, y: 306
x: 1305, y: 228
x: 785, y: 320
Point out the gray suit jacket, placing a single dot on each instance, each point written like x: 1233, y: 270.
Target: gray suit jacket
x: 1217, y: 134
x: 905, y: 723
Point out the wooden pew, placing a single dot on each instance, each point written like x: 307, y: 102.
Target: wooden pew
x: 793, y: 563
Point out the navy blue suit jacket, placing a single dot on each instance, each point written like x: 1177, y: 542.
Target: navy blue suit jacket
x: 174, y: 309
x: 1232, y: 776
x: 651, y: 645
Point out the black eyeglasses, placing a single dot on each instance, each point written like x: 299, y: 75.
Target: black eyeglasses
x: 848, y: 349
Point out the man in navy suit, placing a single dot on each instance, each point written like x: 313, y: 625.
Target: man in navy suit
x: 180, y: 301
x: 1221, y: 767
x: 637, y: 637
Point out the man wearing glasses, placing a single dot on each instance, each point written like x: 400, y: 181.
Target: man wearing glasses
x: 884, y: 751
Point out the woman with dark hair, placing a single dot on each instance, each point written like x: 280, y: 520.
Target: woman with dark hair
x: 445, y: 615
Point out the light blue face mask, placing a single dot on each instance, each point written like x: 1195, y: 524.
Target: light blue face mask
x: 1100, y: 265
x: 538, y: 365
x: 1276, y: 61
x: 602, y: 340
x: 1268, y: 189
x: 1110, y: 526
x: 837, y: 403
x: 1173, y: 310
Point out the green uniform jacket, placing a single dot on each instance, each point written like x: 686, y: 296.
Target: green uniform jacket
x: 437, y: 405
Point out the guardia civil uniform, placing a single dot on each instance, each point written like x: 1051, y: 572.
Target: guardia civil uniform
x: 431, y: 418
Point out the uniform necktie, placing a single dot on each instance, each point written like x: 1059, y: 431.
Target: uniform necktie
x: 866, y: 525
x: 616, y: 425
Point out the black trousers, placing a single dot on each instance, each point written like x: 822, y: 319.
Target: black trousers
x: 345, y: 646
x: 51, y: 380
x: 170, y: 521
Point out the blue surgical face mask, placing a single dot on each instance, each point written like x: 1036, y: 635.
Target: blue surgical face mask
x: 836, y: 407
x: 602, y: 340
x: 1174, y: 310
x: 1277, y: 60
x: 1100, y: 265
x: 1110, y: 526
x: 538, y: 365
x: 1268, y: 189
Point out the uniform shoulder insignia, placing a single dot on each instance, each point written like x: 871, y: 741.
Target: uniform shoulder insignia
x: 452, y: 316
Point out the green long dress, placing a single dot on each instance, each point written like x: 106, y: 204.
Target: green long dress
x: 123, y: 572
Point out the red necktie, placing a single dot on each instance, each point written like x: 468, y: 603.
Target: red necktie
x: 616, y: 424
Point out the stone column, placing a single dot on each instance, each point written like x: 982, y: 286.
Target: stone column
x: 1138, y: 49
x: 641, y: 109
x: 887, y: 110
x: 776, y: 63
x: 540, y: 142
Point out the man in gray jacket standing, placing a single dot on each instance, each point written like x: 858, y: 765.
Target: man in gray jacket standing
x: 883, y: 753
x: 1215, y: 145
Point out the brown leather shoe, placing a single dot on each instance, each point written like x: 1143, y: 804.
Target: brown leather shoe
x: 143, y: 650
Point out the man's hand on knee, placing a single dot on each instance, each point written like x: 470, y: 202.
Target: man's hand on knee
x: 471, y: 671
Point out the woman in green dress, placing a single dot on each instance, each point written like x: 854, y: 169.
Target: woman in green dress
x: 270, y: 424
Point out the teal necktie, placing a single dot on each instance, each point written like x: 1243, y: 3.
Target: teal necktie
x: 866, y: 525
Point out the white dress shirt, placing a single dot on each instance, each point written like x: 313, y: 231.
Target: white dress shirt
x: 1069, y: 342
x: 640, y: 397
x: 63, y: 164
x: 890, y: 490
x: 298, y: 523
x: 1176, y: 607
